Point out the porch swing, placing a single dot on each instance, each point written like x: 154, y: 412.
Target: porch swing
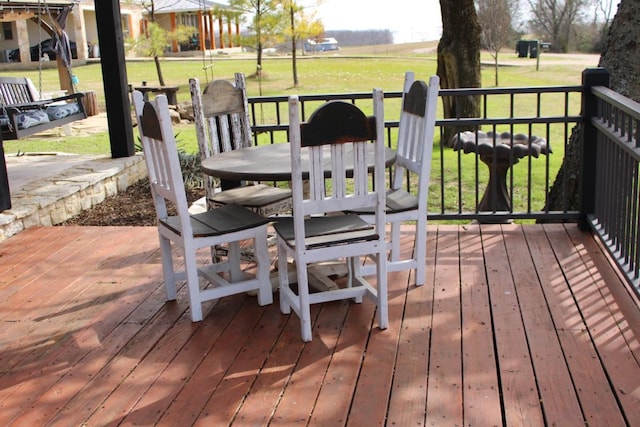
x: 23, y: 112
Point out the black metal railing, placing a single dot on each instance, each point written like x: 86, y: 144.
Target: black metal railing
x: 609, y: 177
x: 459, y: 180
x: 615, y: 208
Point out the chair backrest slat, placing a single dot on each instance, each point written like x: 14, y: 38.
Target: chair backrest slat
x: 416, y: 132
x: 221, y: 117
x: 161, y: 157
x: 337, y: 137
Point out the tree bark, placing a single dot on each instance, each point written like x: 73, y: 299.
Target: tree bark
x: 459, y: 60
x: 621, y: 58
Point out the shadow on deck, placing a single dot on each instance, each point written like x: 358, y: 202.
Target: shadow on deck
x: 516, y: 325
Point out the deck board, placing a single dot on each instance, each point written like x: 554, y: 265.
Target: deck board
x: 515, y: 325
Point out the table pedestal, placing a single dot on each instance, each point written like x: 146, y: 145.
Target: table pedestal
x: 496, y: 197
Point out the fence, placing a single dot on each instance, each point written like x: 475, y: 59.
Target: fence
x: 459, y: 180
x: 612, y: 153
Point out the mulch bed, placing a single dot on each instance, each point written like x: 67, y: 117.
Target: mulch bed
x: 131, y: 207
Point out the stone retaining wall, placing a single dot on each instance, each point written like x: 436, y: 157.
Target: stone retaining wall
x: 51, y: 201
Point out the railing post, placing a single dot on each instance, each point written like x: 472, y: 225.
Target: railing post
x: 590, y: 77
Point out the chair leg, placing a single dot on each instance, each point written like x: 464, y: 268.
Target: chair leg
x: 303, y: 301
x: 193, y: 285
x: 353, y: 268
x: 283, y: 276
x: 234, y: 262
x: 265, y: 294
x: 394, y: 240
x: 420, y: 253
x: 382, y: 296
x: 168, y: 268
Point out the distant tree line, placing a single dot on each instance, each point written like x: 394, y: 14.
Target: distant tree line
x: 361, y: 38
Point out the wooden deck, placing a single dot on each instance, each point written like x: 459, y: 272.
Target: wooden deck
x: 516, y: 326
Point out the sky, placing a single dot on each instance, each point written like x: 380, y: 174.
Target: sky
x: 408, y: 20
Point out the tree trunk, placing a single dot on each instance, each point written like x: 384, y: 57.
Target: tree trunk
x: 294, y: 38
x: 459, y: 60
x: 621, y: 58
x: 156, y: 59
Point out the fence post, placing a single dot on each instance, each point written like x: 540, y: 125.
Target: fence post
x: 590, y: 77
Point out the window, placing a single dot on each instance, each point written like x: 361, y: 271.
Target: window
x: 7, y: 31
x: 126, y: 30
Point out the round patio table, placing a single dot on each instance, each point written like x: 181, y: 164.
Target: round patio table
x: 269, y: 163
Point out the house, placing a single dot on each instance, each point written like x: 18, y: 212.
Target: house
x: 321, y: 45
x: 28, y: 23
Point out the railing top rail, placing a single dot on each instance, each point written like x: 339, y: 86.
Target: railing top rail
x: 629, y: 106
x: 442, y: 92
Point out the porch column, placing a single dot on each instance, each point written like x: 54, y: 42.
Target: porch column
x: 210, y: 34
x: 5, y: 194
x: 221, y: 31
x: 174, y: 43
x: 80, y: 33
x: 201, y: 32
x: 23, y: 41
x: 114, y: 76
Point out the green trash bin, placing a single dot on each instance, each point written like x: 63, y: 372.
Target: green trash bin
x: 533, y: 49
x: 522, y: 48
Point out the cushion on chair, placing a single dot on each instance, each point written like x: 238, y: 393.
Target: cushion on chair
x: 4, y: 120
x: 31, y: 118
x: 56, y: 112
x: 328, y: 230
x: 225, y: 219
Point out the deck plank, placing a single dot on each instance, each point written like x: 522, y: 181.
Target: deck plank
x: 481, y: 388
x: 553, y: 379
x: 519, y: 391
x: 444, y: 394
x: 590, y: 383
x: 408, y: 400
x: 516, y: 325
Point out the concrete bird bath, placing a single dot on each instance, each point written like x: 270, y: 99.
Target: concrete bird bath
x: 499, y: 152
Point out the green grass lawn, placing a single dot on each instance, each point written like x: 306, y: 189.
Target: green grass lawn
x: 353, y: 70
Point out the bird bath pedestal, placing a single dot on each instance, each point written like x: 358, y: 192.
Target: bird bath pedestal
x: 499, y: 152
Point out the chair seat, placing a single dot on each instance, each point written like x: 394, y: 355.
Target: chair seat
x: 215, y: 222
x: 252, y: 196
x: 397, y: 201
x: 328, y: 230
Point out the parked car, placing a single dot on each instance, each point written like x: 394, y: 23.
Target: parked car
x: 46, y: 47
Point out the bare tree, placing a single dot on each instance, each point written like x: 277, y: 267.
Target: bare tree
x: 495, y: 17
x: 155, y: 40
x: 263, y: 26
x: 553, y: 20
x: 300, y: 26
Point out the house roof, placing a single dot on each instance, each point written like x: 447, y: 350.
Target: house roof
x: 166, y: 6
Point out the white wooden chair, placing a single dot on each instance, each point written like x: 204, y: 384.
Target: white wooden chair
x: 318, y: 230
x: 413, y: 158
x: 229, y: 224
x: 222, y: 124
